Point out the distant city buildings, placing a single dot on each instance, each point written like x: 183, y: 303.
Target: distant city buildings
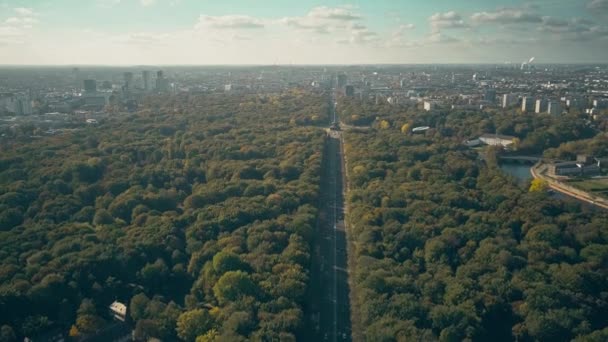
x: 527, y: 104
x: 554, y: 108
x: 162, y: 84
x: 145, y: 75
x: 18, y: 104
x: 430, y: 105
x: 128, y: 78
x: 490, y: 95
x: 93, y: 98
x: 349, y: 91
x: 541, y: 106
x: 576, y: 103
x: 90, y: 86
x: 508, y: 100
x: 342, y: 81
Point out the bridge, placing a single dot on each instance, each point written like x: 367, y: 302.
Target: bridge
x: 525, y: 159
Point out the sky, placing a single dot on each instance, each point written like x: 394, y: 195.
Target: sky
x: 226, y: 32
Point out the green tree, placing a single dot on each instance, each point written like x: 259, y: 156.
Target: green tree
x: 192, y: 324
x: 233, y: 285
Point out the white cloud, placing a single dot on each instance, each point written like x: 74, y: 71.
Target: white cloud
x: 230, y: 22
x: 147, y: 3
x: 25, y: 11
x: 448, y: 20
x: 344, y: 13
x: 21, y: 21
x: 324, y: 19
x: 506, y: 16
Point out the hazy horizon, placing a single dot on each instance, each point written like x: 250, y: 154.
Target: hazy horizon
x: 312, y: 32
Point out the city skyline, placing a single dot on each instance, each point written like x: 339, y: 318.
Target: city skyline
x: 237, y: 32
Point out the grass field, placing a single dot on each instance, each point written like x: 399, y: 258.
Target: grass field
x: 598, y: 187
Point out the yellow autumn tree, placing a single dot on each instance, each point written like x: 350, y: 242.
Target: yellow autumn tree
x: 385, y: 124
x: 405, y: 128
x: 74, y: 331
x: 538, y: 185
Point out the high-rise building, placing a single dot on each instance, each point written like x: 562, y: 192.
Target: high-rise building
x: 349, y: 90
x: 576, y: 102
x: 600, y: 104
x: 509, y: 100
x: 527, y: 104
x: 541, y: 106
x: 128, y: 77
x: 554, y: 108
x: 162, y: 84
x: 90, y: 86
x: 490, y: 95
x: 146, y: 78
x: 342, y: 81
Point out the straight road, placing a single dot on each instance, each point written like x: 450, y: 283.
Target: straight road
x: 329, y: 309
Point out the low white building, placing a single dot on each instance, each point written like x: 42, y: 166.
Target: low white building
x: 430, y: 105
x: 119, y: 311
x: 497, y: 139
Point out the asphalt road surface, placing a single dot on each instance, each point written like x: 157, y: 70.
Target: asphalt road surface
x: 331, y: 311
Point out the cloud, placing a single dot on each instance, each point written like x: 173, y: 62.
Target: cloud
x: 230, y: 22
x: 598, y: 5
x: 576, y: 29
x: 506, y: 16
x: 343, y: 13
x: 147, y: 3
x: 323, y: 20
x: 448, y: 20
x: 25, y: 11
x: 440, y: 38
x: 21, y: 21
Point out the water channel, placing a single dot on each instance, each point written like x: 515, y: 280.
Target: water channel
x: 523, y: 175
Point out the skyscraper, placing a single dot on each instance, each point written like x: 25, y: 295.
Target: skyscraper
x: 90, y: 86
x: 349, y: 90
x: 128, y: 76
x: 342, y: 80
x: 490, y: 95
x: 162, y: 84
x: 146, y: 77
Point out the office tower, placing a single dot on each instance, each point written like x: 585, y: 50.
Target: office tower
x: 90, y: 86
x: 490, y: 95
x: 128, y: 77
x: 162, y: 84
x: 146, y: 77
x: 342, y: 80
x: 508, y: 100
x: 527, y: 104
x: 576, y: 102
x: 554, y: 108
x: 349, y: 90
x: 600, y: 104
x: 541, y: 106
x: 402, y: 83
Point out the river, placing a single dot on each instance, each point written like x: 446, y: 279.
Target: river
x: 519, y: 171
